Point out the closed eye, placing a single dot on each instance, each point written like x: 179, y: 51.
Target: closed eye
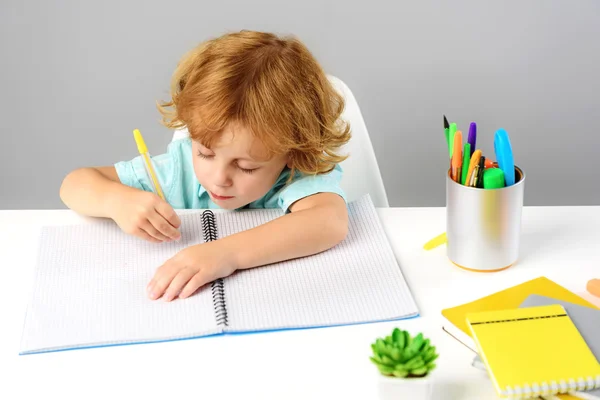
x: 208, y: 157
x: 204, y: 155
x: 247, y: 171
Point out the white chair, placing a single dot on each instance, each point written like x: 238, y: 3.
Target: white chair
x: 361, y: 171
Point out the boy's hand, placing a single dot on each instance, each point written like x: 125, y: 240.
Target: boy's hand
x: 190, y: 269
x: 145, y: 215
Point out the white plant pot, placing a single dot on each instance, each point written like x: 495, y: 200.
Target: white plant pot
x: 391, y: 388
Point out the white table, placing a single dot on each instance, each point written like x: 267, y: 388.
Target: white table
x: 561, y: 243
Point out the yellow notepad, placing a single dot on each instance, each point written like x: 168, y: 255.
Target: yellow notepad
x: 533, y: 351
x: 511, y: 298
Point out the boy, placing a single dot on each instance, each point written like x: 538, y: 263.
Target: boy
x: 264, y: 128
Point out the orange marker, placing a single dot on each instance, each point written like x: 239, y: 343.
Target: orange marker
x: 456, y: 162
x: 474, y: 162
x: 489, y: 163
x: 593, y: 286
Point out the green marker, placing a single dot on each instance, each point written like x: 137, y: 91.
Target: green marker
x: 493, y: 178
x: 451, y: 133
x: 466, y: 162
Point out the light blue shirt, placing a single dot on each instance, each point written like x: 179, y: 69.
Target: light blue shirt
x: 182, y: 190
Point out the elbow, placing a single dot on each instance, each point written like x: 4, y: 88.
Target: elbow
x: 67, y: 185
x: 341, y: 233
x: 63, y: 192
x: 339, y: 230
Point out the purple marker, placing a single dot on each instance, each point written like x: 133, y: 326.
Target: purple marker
x: 472, y: 136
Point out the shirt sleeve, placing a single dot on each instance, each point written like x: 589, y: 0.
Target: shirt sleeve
x: 307, y: 185
x: 133, y: 173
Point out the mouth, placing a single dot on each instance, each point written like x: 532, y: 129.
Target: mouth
x: 217, y: 197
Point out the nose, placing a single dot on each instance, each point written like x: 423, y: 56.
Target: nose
x: 221, y: 177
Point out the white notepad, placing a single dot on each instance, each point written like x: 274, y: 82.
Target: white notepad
x: 90, y: 280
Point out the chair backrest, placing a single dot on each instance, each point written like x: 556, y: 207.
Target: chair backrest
x: 361, y: 170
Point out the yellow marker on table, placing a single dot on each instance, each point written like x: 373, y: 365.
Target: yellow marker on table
x: 141, y: 145
x: 435, y: 242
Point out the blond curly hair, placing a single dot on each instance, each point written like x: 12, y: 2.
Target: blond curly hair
x: 273, y: 86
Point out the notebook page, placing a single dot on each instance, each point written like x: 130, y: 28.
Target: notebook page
x: 89, y: 290
x: 357, y: 281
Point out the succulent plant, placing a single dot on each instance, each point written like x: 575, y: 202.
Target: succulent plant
x: 403, y: 356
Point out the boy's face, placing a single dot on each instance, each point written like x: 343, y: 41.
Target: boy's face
x: 235, y: 171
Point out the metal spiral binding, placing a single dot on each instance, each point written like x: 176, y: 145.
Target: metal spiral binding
x: 526, y: 390
x: 209, y: 228
x: 218, y: 294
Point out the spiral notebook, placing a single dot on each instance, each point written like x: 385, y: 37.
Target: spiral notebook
x: 511, y: 297
x: 533, y: 351
x: 90, y: 279
x: 587, y: 321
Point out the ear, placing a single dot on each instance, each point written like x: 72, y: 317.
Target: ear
x: 289, y: 161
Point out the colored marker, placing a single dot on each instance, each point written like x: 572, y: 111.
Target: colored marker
x: 456, y: 163
x: 465, y: 164
x: 472, y: 139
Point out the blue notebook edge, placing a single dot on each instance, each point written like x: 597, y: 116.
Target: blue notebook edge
x: 234, y: 333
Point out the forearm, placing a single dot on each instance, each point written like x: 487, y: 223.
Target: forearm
x: 88, y: 192
x: 294, y: 235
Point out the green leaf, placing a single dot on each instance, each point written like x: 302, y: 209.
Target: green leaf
x: 432, y: 358
x: 419, y: 371
x: 419, y: 363
x: 400, y: 367
x: 414, y: 363
x: 400, y: 374
x: 415, y: 345
x: 380, y: 346
x: 407, y: 339
x: 389, y: 349
x: 387, y: 361
x: 428, y: 354
x: 396, y: 354
x: 375, y: 361
x: 399, y: 338
x: 385, y: 370
x: 431, y: 367
x: 396, y: 333
x: 409, y: 354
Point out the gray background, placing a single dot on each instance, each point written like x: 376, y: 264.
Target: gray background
x: 77, y: 77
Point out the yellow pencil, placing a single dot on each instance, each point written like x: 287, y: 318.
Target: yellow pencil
x: 137, y: 135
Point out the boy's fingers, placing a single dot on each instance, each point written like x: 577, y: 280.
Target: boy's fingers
x: 198, y: 280
x: 164, y: 209
x: 164, y: 227
x: 149, y: 228
x: 162, y: 278
x: 143, y: 235
x: 178, y: 283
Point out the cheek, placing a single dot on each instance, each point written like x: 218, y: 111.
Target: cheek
x: 257, y: 183
x: 248, y: 183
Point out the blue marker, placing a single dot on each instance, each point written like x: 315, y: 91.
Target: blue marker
x: 504, y: 156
